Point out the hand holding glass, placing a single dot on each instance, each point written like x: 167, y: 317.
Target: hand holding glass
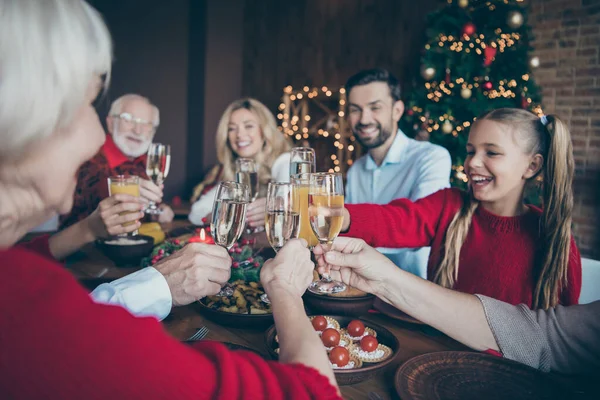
x: 127, y: 185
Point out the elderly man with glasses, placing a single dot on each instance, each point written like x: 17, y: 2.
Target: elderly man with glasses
x: 131, y: 124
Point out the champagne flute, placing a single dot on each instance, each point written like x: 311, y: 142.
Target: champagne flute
x: 302, y: 161
x: 229, y: 217
x: 127, y: 185
x: 246, y: 172
x: 326, y: 213
x: 281, y: 220
x: 301, y: 186
x: 158, y: 163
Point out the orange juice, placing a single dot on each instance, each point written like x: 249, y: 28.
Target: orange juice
x: 306, y: 231
x: 124, y: 185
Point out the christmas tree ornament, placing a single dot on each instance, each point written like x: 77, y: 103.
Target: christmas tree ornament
x: 447, y: 76
x: 410, y: 111
x: 524, y: 103
x: 515, y: 19
x: 466, y: 93
x: 469, y: 29
x: 489, y: 54
x: 487, y: 85
x: 447, y: 127
x: 463, y: 3
x: 427, y: 72
x: 534, y: 62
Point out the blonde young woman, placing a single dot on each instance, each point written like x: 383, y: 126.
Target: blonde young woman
x: 247, y: 129
x: 52, y: 54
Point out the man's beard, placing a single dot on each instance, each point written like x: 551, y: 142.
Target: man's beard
x: 134, y: 151
x: 371, y: 143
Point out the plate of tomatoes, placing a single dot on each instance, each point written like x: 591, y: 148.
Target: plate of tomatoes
x: 357, y: 349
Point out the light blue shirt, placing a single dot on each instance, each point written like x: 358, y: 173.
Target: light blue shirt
x: 411, y: 169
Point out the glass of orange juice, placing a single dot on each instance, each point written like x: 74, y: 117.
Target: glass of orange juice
x: 127, y: 185
x: 301, y: 186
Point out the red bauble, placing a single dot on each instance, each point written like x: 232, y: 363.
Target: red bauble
x: 469, y: 29
x: 355, y: 328
x: 369, y: 343
x: 339, y: 356
x: 319, y: 323
x: 176, y: 201
x: 410, y: 112
x: 489, y: 53
x: 524, y: 103
x: 330, y: 337
x: 487, y: 85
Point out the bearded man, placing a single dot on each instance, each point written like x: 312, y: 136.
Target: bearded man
x: 131, y: 123
x: 395, y: 165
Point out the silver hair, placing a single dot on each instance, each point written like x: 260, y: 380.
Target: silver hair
x: 49, y: 52
x: 117, y: 106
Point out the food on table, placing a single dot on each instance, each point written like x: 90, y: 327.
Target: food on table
x: 319, y: 323
x: 245, y: 300
x: 331, y: 323
x: 154, y: 230
x: 355, y: 328
x: 330, y: 337
x: 339, y: 356
x: 369, y: 343
x: 370, y: 350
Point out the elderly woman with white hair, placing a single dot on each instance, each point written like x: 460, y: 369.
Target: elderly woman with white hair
x: 56, y: 342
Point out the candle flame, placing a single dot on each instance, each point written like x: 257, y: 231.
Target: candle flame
x: 202, y: 234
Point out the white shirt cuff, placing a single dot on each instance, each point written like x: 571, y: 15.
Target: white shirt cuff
x: 144, y: 293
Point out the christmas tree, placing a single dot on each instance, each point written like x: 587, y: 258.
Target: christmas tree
x: 476, y: 58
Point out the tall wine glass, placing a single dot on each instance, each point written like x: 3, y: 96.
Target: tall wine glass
x: 326, y: 213
x: 229, y: 217
x: 302, y: 161
x: 282, y: 222
x: 158, y: 163
x: 301, y: 186
x: 246, y: 172
x: 127, y: 185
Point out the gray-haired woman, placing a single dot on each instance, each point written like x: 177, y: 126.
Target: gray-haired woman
x: 55, y: 341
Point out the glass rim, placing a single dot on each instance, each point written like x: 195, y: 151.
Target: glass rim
x: 318, y: 174
x: 304, y: 149
x: 124, y: 178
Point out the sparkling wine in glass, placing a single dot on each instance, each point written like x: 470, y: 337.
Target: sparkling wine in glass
x: 281, y: 219
x: 246, y: 172
x: 326, y: 214
x: 302, y: 161
x: 229, y: 217
x: 127, y: 185
x: 158, y: 163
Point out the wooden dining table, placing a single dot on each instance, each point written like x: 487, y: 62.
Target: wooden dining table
x: 92, y: 267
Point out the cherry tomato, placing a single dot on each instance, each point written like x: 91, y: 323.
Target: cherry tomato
x: 339, y: 356
x: 330, y: 337
x: 356, y: 328
x: 319, y: 323
x: 369, y: 343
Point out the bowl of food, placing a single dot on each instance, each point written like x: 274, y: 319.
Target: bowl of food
x: 244, y: 309
x: 350, y: 302
x: 358, y: 350
x: 126, y: 251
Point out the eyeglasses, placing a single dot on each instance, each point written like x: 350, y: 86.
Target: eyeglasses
x: 129, y: 122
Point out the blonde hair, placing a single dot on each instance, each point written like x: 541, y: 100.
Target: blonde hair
x: 49, y: 52
x: 117, y: 106
x: 275, y: 143
x: 553, y: 142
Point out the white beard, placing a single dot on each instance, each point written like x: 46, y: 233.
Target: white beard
x: 129, y: 149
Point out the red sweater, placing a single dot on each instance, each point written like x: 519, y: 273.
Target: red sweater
x: 498, y: 258
x: 55, y: 342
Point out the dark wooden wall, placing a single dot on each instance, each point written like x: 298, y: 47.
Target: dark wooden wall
x: 323, y: 42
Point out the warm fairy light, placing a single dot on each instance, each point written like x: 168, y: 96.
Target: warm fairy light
x: 351, y: 148
x: 306, y: 88
x: 333, y: 157
x: 280, y: 116
x: 328, y: 93
x: 292, y: 97
x: 342, y: 91
x: 307, y: 117
x: 337, y: 136
x: 324, y: 88
x: 298, y: 137
x: 299, y: 96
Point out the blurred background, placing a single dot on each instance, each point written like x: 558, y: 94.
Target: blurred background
x: 193, y: 57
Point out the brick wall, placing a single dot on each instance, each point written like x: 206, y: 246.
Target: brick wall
x: 567, y: 40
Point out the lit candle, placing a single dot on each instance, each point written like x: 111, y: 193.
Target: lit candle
x: 202, y: 238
